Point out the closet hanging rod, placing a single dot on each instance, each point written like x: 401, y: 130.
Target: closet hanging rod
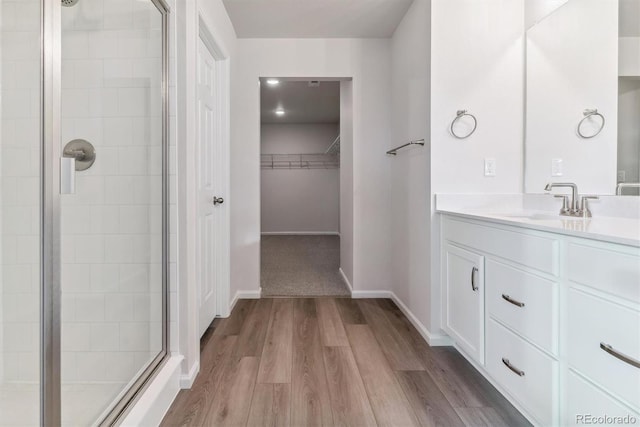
x: 416, y: 142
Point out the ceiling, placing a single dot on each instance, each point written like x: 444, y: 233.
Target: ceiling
x: 301, y: 103
x: 316, y: 18
x: 629, y: 18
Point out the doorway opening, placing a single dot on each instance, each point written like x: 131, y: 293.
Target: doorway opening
x: 300, y: 145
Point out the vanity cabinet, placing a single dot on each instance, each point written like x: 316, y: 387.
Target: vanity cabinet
x: 464, y: 295
x: 560, y: 329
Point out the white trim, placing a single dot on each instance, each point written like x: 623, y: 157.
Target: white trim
x: 243, y: 295
x: 209, y: 35
x: 187, y: 380
x: 371, y: 294
x: 346, y: 280
x: 434, y: 340
x: 186, y: 119
x: 156, y: 400
x: 300, y: 233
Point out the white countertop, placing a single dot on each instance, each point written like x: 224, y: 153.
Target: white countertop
x: 621, y: 230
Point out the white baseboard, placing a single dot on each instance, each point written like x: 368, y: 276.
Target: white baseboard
x: 187, y: 380
x: 156, y: 400
x: 434, y: 340
x: 243, y: 295
x: 371, y: 294
x: 300, y: 233
x: 346, y: 280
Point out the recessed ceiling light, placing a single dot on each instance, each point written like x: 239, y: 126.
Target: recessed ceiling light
x: 273, y: 82
x: 280, y: 112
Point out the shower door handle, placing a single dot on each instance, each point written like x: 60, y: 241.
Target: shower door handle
x: 67, y: 175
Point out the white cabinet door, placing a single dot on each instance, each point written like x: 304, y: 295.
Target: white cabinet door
x: 464, y: 300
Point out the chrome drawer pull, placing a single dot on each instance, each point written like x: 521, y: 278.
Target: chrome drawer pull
x: 512, y: 301
x: 631, y: 361
x: 513, y: 368
x: 474, y: 270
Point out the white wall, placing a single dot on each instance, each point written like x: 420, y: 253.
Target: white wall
x: 367, y: 61
x: 299, y: 200
x: 572, y: 65
x: 346, y: 179
x: 629, y: 56
x: 629, y: 131
x: 410, y: 198
x: 476, y: 64
x: 537, y: 10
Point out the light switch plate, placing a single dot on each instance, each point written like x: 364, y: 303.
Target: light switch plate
x: 556, y: 167
x: 489, y: 167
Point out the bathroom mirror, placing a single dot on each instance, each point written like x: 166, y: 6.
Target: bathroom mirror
x: 582, y: 94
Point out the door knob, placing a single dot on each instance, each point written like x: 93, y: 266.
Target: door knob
x: 217, y: 201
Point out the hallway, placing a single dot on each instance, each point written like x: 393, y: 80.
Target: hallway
x: 332, y: 361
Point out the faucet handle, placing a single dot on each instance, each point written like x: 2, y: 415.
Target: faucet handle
x: 565, y: 203
x: 584, y: 205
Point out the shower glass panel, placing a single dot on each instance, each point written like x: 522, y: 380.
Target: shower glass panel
x: 20, y: 175
x: 112, y: 225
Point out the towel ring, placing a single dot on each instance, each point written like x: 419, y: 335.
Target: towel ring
x: 460, y: 114
x: 590, y: 113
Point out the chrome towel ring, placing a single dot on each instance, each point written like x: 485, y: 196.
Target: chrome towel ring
x: 460, y: 114
x: 587, y: 114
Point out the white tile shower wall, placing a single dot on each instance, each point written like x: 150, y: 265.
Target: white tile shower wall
x: 111, y: 227
x: 19, y: 190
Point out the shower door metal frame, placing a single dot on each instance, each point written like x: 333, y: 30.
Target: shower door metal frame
x: 50, y: 216
x: 50, y: 248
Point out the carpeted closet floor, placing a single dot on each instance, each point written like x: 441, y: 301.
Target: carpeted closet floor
x: 301, y: 266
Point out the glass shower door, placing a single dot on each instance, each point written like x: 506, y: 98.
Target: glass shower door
x: 20, y: 207
x: 112, y: 217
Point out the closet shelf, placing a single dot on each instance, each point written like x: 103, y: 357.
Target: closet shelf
x: 300, y: 161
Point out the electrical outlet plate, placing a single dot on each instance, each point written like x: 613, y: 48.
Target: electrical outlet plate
x: 489, y: 167
x: 622, y: 176
x: 556, y: 167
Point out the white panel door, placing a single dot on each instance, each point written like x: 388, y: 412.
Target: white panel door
x: 205, y: 237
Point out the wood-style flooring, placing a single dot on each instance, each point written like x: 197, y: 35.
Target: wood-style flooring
x: 332, y: 362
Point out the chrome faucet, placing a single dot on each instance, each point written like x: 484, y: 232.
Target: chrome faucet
x: 575, y: 207
x: 622, y: 185
x: 572, y: 209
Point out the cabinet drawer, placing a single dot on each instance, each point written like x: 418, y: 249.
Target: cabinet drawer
x: 524, y: 302
x: 536, y: 388
x: 605, y: 268
x: 585, y: 399
x: 594, y: 321
x: 540, y: 253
